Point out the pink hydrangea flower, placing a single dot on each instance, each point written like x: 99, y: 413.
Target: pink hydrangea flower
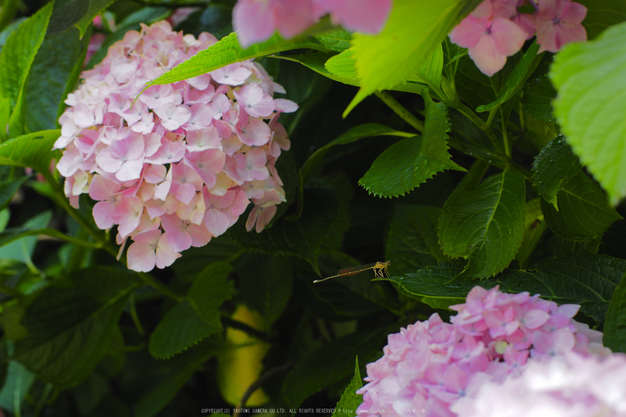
x: 174, y: 169
x: 496, y: 29
x: 568, y: 385
x: 430, y: 366
x: 559, y: 23
x: 257, y: 20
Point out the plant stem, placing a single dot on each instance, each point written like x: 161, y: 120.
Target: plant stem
x: 133, y: 314
x: 160, y: 287
x: 400, y: 110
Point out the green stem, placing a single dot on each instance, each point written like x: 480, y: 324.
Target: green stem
x: 505, y: 138
x: 400, y: 110
x: 133, y: 314
x: 160, y: 287
x: 492, y: 115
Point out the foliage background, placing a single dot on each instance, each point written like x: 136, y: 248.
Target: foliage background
x: 475, y: 181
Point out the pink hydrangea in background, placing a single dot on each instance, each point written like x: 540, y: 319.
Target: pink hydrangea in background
x: 496, y: 29
x: 430, y: 365
x: 257, y: 20
x: 567, y: 385
x: 180, y: 165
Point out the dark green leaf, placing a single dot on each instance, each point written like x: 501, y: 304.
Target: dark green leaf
x: 350, y: 400
x: 196, y: 317
x: 336, y: 40
x: 584, y: 212
x: 534, y: 226
x: 485, y: 225
x: 224, y: 52
x: 20, y: 251
x: 303, y: 238
x: 19, y: 53
x: 537, y: 99
x: 352, y: 135
x: 330, y: 363
x: 602, y: 14
x: 33, y: 150
x: 555, y: 165
x: 615, y: 324
x: 410, y: 162
x: 412, y: 242
x: 94, y: 8
x: 8, y: 188
x: 69, y: 329
x: 588, y: 280
x: 16, y: 386
x: 516, y: 79
x: 52, y: 76
x: 470, y: 139
x: 163, y: 379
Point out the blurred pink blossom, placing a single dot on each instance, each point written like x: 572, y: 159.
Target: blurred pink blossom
x: 559, y: 23
x: 172, y: 170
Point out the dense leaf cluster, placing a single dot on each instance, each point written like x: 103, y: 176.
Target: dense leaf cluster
x: 456, y: 178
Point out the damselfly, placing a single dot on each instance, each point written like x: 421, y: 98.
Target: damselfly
x: 380, y: 271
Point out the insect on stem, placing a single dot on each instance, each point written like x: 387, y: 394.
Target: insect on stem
x: 379, y: 268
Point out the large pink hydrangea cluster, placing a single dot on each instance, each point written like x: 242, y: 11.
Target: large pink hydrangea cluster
x: 429, y: 366
x: 496, y: 29
x: 257, y: 20
x: 180, y: 164
x: 563, y: 386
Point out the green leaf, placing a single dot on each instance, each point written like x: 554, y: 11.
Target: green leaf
x: 343, y: 65
x: 410, y: 162
x: 336, y: 40
x: 356, y: 133
x: 485, y: 225
x: 197, y: 316
x: 330, y: 363
x: 19, y: 52
x: 227, y: 51
x: 591, y: 88
x: 163, y: 379
x: 16, y: 386
x: 350, y: 400
x: 69, y: 329
x: 8, y: 188
x: 470, y: 139
x: 537, y: 98
x: 412, y: 242
x: 584, y: 212
x: 32, y: 150
x: 94, y: 8
x: 430, y: 70
x: 303, y: 238
x: 602, y: 14
x: 534, y: 226
x: 23, y: 249
x: 516, y: 79
x: 588, y: 280
x: 52, y: 76
x: 413, y: 32
x: 615, y: 324
x: 555, y: 165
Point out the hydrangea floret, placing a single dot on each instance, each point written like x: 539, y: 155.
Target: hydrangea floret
x: 257, y: 20
x: 566, y: 385
x: 179, y: 165
x: 496, y: 29
x: 430, y: 365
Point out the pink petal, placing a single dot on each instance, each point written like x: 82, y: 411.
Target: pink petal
x: 216, y: 222
x: 254, y: 21
x: 486, y: 56
x: 467, y: 33
x: 508, y: 36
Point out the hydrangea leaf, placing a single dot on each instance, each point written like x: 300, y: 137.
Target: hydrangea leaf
x: 32, y: 150
x: 537, y: 98
x: 336, y: 40
x: 197, y: 316
x: 615, y: 324
x: 16, y: 60
x: 591, y: 88
x: 588, y: 280
x: 163, y: 379
x: 16, y: 386
x: 485, y: 225
x: 413, y: 32
x: 555, y: 165
x: 602, y: 14
x: 410, y: 162
x: 23, y: 249
x: 316, y: 61
x: 94, y: 8
x: 534, y: 226
x: 343, y: 65
x: 227, y: 51
x: 330, y: 363
x: 516, y: 79
x: 412, y: 241
x: 8, y: 188
x: 350, y: 400
x: 53, y: 75
x: 584, y: 213
x: 69, y: 329
x: 470, y: 139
